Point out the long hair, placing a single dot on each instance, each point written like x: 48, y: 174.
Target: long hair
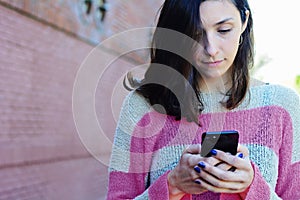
x: 171, y: 91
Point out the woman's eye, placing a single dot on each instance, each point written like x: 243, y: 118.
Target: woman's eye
x: 223, y: 31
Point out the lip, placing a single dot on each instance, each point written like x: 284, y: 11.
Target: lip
x: 213, y: 64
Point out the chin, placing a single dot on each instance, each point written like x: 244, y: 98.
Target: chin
x: 213, y: 76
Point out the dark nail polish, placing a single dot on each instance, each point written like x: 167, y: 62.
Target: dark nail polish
x: 197, y: 169
x: 213, y: 152
x: 241, y: 155
x: 197, y: 182
x: 201, y: 164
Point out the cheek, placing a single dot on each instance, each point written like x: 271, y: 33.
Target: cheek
x: 231, y: 48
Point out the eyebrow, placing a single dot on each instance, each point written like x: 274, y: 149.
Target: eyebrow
x: 223, y: 21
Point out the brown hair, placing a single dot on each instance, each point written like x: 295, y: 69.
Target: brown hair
x: 183, y: 16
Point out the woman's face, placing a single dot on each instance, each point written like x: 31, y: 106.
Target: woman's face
x: 222, y: 26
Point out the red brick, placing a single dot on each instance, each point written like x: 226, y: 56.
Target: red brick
x: 41, y: 154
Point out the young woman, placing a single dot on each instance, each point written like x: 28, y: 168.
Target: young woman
x: 195, y: 87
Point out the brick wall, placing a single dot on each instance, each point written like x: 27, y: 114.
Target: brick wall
x: 42, y: 45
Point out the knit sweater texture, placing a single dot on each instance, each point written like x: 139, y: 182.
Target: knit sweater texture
x: 148, y: 144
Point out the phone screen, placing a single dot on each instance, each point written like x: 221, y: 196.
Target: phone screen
x: 226, y: 141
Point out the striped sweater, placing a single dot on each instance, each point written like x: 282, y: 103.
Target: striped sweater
x: 149, y: 144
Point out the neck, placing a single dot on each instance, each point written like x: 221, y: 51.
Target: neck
x: 221, y: 85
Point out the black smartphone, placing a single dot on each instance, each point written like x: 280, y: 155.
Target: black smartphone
x: 226, y: 141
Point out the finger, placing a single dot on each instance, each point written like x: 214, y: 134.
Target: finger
x: 193, y: 149
x: 196, y: 172
x: 212, y: 173
x: 235, y: 161
x: 190, y: 160
x: 213, y: 184
x: 191, y: 155
x: 212, y: 161
x: 224, y: 166
x: 197, y: 188
x: 243, y: 149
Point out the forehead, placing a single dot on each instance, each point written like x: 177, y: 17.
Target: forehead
x: 213, y: 11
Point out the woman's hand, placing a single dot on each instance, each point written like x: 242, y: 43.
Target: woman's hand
x: 184, y: 178
x: 195, y: 174
x: 219, y: 179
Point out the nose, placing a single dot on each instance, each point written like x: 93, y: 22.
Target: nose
x: 210, y: 46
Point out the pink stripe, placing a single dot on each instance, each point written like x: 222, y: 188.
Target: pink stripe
x: 158, y: 130
x: 159, y: 190
x: 256, y: 126
x: 125, y: 185
x: 151, y: 129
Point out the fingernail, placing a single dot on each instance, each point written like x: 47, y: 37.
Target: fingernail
x: 197, y: 169
x: 213, y: 152
x: 198, y: 182
x: 241, y: 155
x: 201, y: 164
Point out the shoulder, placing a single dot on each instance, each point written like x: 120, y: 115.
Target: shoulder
x: 134, y: 107
x: 278, y: 98
x: 275, y: 94
x: 283, y: 95
x: 135, y: 102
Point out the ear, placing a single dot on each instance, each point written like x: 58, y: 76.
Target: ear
x: 244, y: 26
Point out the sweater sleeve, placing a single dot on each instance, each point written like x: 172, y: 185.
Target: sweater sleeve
x: 129, y: 169
x: 288, y: 184
x: 288, y: 181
